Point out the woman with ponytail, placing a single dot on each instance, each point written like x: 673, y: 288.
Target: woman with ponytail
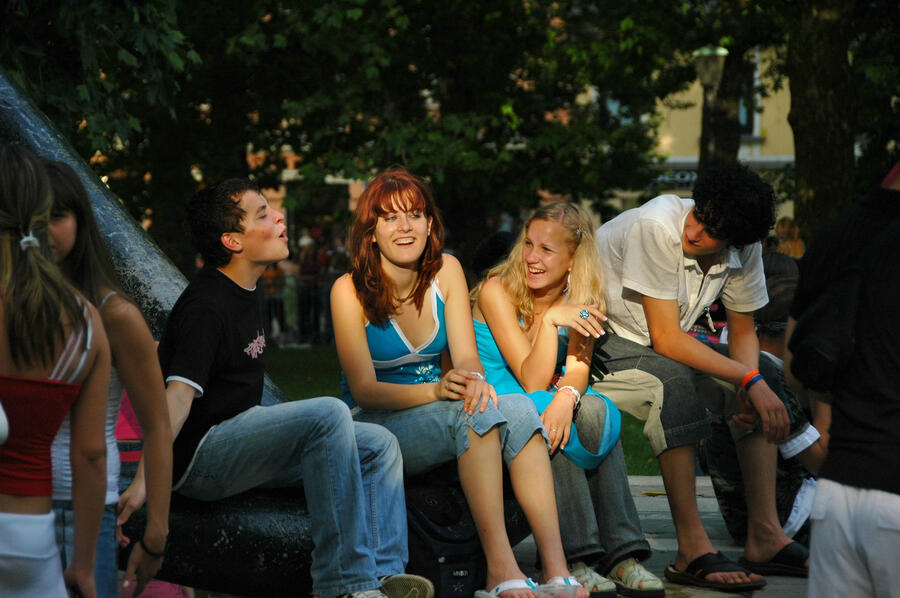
x: 54, y: 359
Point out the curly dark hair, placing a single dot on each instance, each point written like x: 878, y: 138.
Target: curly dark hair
x: 734, y: 204
x: 213, y: 211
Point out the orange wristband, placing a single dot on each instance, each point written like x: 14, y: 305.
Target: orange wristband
x: 748, y: 377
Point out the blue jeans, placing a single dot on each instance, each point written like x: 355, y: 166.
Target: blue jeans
x: 598, y: 521
x: 105, y: 566
x: 438, y: 432
x: 351, y: 474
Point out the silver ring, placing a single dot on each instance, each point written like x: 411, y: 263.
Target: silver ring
x: 553, y: 429
x: 585, y: 314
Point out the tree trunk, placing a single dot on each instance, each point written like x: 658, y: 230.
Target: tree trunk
x: 720, y: 135
x: 821, y: 104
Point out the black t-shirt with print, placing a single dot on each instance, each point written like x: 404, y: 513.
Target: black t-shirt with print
x: 214, y: 341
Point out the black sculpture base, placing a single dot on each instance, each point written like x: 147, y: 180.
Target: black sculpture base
x: 258, y: 543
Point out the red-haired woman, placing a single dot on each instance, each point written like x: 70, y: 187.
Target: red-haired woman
x: 403, y: 306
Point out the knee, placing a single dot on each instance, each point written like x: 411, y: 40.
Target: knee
x: 378, y: 448
x: 771, y: 373
x: 517, y: 407
x: 379, y: 439
x: 591, y: 415
x: 327, y: 415
x: 677, y: 374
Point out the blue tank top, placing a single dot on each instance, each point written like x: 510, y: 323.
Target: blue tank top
x: 501, y: 377
x: 396, y: 360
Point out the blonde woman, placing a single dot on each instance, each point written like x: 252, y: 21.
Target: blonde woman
x: 538, y: 315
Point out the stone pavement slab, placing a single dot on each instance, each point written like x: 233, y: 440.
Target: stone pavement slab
x: 656, y: 520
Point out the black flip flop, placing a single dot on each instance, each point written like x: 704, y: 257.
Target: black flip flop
x: 711, y: 562
x: 790, y: 561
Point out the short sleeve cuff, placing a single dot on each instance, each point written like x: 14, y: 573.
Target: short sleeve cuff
x: 799, y: 443
x: 746, y: 307
x: 644, y: 289
x: 197, y: 388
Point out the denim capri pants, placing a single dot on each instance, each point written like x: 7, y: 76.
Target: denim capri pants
x: 438, y: 432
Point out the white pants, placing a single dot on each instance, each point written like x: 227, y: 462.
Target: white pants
x: 855, y: 548
x: 29, y: 560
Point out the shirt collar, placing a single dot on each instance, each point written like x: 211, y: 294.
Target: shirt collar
x: 728, y: 258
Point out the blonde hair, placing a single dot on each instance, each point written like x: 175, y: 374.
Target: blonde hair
x: 585, y: 284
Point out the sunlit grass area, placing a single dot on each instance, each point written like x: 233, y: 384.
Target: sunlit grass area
x: 314, y: 372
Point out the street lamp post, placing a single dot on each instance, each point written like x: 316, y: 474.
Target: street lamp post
x: 710, y: 64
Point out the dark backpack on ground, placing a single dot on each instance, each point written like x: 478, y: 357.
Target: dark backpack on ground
x: 443, y: 540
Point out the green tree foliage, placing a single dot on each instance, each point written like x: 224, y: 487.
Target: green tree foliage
x: 95, y: 67
x: 842, y: 63
x: 481, y: 98
x: 490, y: 100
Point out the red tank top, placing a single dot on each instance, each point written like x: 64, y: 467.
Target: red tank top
x: 35, y: 410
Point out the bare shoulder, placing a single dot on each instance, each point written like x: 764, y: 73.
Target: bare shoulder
x: 451, y: 277
x: 343, y: 286
x: 451, y: 270
x: 344, y: 300
x: 493, y: 290
x: 120, y: 315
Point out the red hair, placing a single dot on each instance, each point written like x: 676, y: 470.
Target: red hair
x: 382, y: 194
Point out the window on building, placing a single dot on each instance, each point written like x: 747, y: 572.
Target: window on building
x: 748, y: 104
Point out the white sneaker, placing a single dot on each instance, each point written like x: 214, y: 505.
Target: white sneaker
x: 593, y: 582
x: 633, y: 579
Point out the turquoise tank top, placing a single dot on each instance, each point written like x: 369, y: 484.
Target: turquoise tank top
x: 501, y: 377
x: 396, y: 360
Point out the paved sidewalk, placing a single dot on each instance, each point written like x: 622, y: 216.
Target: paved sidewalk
x: 649, y: 497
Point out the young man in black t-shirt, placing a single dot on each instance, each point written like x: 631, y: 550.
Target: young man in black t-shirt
x: 212, y: 356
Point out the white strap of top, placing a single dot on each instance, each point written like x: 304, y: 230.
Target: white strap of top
x: 69, y: 353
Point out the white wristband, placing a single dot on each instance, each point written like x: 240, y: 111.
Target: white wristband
x: 574, y: 391
x: 477, y: 375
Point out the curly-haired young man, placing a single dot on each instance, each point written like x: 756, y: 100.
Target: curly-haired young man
x: 665, y: 263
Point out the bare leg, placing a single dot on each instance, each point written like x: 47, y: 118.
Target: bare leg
x: 677, y: 466
x: 758, y: 459
x: 481, y: 476
x: 532, y: 482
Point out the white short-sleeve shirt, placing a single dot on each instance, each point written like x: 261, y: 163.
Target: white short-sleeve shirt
x: 642, y: 255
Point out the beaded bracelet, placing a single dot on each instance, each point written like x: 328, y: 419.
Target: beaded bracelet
x: 156, y: 555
